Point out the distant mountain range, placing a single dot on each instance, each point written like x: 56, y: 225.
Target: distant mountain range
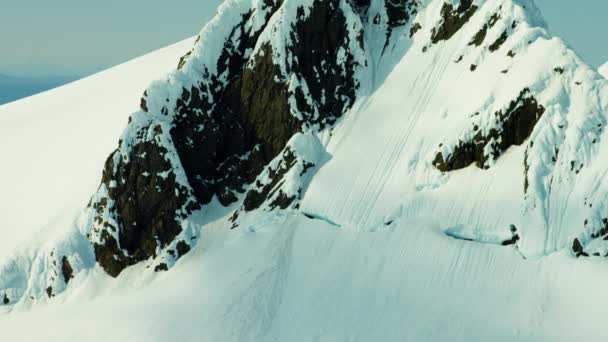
x: 14, y: 88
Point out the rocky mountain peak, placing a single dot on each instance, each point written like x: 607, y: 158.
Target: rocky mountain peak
x: 230, y: 109
x: 276, y: 94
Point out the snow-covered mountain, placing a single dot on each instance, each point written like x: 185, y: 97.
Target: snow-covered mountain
x: 322, y: 170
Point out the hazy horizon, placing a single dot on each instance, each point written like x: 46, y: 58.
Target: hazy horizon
x: 75, y: 39
x: 15, y: 88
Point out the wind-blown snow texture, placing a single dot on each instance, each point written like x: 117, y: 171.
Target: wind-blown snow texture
x: 316, y: 163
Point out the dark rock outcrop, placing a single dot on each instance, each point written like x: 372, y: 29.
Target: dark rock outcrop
x: 66, y: 269
x: 415, y: 28
x: 513, y: 126
x: 480, y: 36
x: 182, y: 248
x: 596, y: 233
x: 452, y: 20
x: 498, y: 42
x: 514, y: 237
x: 161, y: 267
x: 577, y: 249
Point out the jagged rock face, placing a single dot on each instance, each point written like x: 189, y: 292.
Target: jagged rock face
x: 231, y: 117
x: 213, y: 147
x: 139, y: 212
x: 318, y: 37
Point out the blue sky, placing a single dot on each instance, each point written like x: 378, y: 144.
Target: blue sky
x: 76, y: 37
x: 583, y: 24
x: 68, y: 37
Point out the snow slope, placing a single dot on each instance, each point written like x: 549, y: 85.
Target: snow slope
x: 54, y: 144
x: 434, y: 100
x: 385, y: 241
x: 290, y: 278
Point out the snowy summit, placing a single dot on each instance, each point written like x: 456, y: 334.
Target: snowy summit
x: 316, y: 170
